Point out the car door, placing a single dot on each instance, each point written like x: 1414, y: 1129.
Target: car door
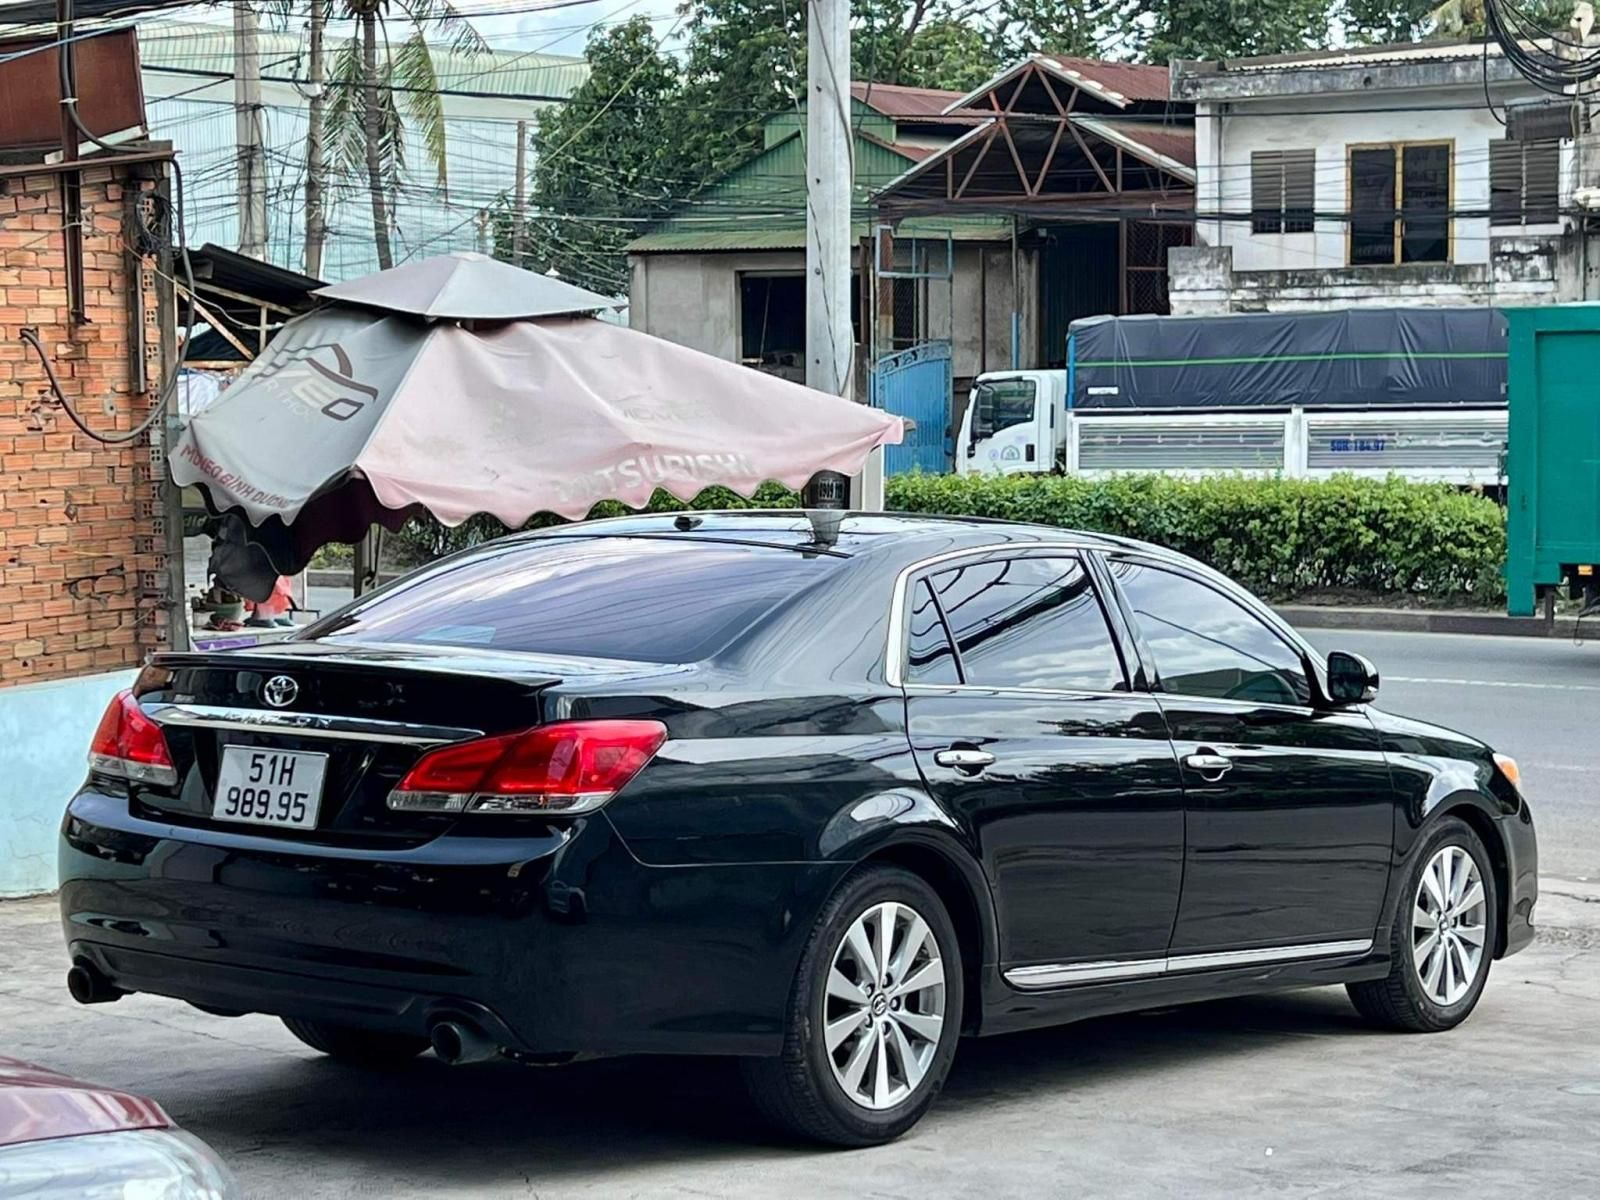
x: 1290, y: 807
x: 1026, y: 730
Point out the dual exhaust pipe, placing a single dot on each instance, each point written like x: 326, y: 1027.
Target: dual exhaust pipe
x: 456, y: 1042
x: 461, y: 1042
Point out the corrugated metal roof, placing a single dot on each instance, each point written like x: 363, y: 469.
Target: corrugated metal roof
x: 1169, y: 141
x: 1130, y: 81
x: 197, y: 46
x: 1368, y: 56
x: 894, y: 100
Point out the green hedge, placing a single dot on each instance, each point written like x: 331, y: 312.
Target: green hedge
x: 1283, y: 538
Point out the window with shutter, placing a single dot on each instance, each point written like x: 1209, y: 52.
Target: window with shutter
x: 1266, y: 191
x: 1541, y: 182
x: 1505, y: 182
x: 1299, y: 190
x: 1282, y: 191
x: 1524, y: 182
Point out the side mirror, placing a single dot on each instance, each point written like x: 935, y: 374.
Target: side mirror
x: 1351, y: 678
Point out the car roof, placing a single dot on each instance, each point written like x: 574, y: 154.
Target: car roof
x: 37, y: 1104
x: 852, y: 534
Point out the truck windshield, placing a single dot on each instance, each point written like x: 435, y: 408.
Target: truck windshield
x: 999, y: 404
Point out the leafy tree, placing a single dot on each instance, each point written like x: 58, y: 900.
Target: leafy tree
x: 364, y: 125
x: 1210, y: 29
x: 617, y: 150
x: 1084, y: 28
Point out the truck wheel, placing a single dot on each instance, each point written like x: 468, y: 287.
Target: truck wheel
x: 873, y: 1018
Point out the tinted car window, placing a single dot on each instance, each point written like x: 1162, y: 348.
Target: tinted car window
x: 1207, y: 645
x: 1029, y: 623
x: 930, y: 658
x: 642, y: 599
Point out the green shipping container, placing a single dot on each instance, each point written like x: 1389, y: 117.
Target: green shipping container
x: 1553, y: 456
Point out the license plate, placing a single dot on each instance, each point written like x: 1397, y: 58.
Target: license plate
x: 257, y: 786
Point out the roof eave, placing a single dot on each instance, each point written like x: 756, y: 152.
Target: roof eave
x: 933, y: 159
x: 1208, y: 81
x: 1135, y: 147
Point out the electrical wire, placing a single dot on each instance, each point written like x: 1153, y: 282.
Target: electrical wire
x: 30, y: 336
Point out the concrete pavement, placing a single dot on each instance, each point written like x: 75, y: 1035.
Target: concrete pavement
x: 1278, y: 1096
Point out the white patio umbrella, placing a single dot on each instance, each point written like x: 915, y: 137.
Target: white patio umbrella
x: 353, y: 418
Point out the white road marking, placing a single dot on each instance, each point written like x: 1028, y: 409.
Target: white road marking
x: 1502, y: 683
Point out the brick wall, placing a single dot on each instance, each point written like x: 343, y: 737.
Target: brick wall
x: 80, y: 522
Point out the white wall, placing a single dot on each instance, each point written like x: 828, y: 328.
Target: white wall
x: 1227, y: 135
x: 45, y: 729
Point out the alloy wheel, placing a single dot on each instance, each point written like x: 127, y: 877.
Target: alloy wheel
x: 883, y: 1013
x: 1449, y: 926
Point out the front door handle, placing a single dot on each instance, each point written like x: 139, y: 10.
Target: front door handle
x: 1211, y: 767
x: 964, y: 758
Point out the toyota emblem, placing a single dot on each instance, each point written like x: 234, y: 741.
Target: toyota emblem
x: 280, y: 691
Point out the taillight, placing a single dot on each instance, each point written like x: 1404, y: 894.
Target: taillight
x: 568, y: 767
x: 129, y: 745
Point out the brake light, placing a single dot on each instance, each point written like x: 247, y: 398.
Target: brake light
x: 568, y: 767
x: 129, y: 745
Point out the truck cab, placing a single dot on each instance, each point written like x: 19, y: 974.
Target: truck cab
x: 1014, y: 424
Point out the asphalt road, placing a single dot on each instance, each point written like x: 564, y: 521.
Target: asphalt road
x: 1535, y: 699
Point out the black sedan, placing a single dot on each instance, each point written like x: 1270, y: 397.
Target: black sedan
x: 823, y: 792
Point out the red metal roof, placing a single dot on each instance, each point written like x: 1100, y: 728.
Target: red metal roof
x: 1131, y: 81
x: 1174, y: 141
x: 893, y: 100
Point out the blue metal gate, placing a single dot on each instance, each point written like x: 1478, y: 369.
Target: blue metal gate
x: 915, y: 384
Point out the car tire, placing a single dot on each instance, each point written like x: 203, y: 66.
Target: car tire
x: 361, y: 1047
x: 1429, y: 987
x: 892, y: 1044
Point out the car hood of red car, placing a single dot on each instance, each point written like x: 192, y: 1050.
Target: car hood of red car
x: 37, y: 1103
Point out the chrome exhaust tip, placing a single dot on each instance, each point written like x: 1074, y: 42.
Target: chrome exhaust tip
x: 458, y: 1043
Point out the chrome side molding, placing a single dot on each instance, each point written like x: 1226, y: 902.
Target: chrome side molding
x: 1055, y: 975
x: 298, y: 724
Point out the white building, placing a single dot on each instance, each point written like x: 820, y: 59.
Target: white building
x: 1376, y: 176
x: 187, y: 73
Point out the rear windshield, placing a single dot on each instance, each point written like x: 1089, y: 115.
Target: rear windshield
x: 639, y: 599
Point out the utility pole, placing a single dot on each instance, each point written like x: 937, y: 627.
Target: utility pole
x: 247, y: 120
x: 830, y: 343
x: 519, y: 216
x: 316, y: 162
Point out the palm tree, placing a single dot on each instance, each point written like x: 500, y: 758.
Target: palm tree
x: 362, y: 126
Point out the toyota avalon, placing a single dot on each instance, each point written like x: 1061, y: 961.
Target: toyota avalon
x: 823, y: 792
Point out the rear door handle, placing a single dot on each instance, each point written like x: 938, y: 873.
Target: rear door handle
x: 1210, y: 766
x: 964, y: 758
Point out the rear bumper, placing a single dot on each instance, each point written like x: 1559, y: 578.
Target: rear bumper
x: 1522, y: 873
x: 555, y: 943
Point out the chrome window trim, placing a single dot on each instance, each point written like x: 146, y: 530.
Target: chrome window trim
x: 1054, y: 975
x: 1055, y: 693
x: 895, y: 652
x: 299, y: 724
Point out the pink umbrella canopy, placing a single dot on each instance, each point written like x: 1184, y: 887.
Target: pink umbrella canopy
x: 352, y: 419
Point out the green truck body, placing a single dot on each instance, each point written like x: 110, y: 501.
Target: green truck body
x: 1553, y: 456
